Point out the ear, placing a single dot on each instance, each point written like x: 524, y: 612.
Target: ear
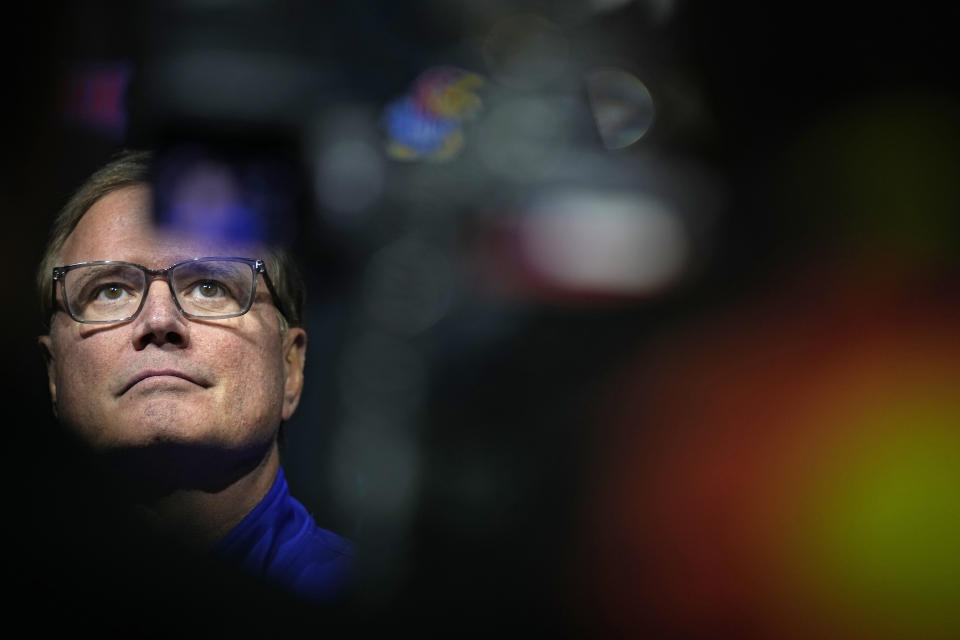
x: 294, y: 357
x: 46, y: 349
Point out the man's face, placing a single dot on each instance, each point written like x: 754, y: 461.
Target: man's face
x: 162, y: 377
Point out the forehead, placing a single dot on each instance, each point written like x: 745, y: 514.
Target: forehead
x: 120, y: 226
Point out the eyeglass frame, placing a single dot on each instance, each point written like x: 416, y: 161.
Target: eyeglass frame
x: 257, y: 266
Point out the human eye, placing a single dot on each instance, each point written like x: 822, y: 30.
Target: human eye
x: 206, y: 290
x: 102, y: 292
x: 207, y: 294
x: 211, y: 287
x: 110, y: 292
x: 106, y: 286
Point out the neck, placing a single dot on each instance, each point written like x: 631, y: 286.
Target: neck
x: 200, y: 517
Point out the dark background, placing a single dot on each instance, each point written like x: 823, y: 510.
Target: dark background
x: 504, y: 432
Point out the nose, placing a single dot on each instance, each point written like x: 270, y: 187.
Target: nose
x: 160, y: 321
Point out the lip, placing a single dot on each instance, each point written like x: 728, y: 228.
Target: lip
x: 155, y: 373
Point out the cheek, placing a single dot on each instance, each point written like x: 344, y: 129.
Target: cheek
x: 82, y: 375
x: 253, y: 374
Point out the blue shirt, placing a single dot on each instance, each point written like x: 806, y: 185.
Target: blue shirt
x: 279, y: 542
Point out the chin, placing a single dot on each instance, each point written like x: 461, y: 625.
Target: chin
x: 164, y: 456
x: 137, y: 430
x: 171, y: 422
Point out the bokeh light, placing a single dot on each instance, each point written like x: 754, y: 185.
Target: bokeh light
x: 622, y: 106
x: 348, y: 166
x: 603, y: 242
x: 427, y: 122
x: 788, y: 470
x: 97, y: 96
x: 349, y: 176
x: 602, y: 230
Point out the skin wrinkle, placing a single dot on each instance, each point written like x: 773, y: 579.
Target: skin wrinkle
x: 249, y: 370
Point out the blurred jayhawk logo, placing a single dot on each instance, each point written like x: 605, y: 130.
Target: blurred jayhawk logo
x: 427, y: 122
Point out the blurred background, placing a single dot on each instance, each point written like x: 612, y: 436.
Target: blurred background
x: 626, y: 317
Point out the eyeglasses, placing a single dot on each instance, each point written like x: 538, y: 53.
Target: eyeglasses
x: 106, y: 291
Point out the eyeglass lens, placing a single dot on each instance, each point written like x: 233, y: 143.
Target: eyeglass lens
x: 109, y: 292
